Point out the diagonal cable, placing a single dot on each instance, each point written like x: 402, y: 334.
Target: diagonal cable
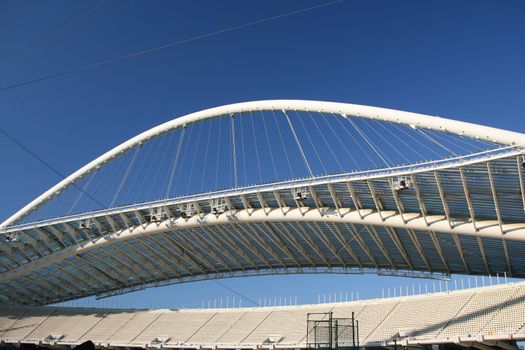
x: 49, y: 37
x: 239, y: 294
x: 46, y: 164
x: 165, y: 46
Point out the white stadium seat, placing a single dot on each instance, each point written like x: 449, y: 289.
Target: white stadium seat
x: 496, y: 312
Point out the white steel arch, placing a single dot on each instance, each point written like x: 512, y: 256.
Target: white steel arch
x: 415, y: 120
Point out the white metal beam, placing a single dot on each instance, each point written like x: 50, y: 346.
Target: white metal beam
x: 443, y: 198
x: 485, y: 229
x: 290, y: 237
x: 498, y: 214
x: 521, y: 163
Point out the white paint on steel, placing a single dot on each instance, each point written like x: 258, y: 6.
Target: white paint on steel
x: 414, y: 119
x: 414, y: 221
x: 228, y: 194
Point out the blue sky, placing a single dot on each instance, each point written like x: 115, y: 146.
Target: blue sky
x: 462, y: 60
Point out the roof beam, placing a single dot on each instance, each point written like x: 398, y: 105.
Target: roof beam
x: 357, y: 237
x: 262, y: 202
x: 92, y: 276
x: 57, y: 235
x: 399, y: 245
x: 335, y: 199
x: 399, y: 204
x: 472, y: 214
x: 110, y: 272
x: 245, y: 203
x: 225, y: 237
x: 443, y: 198
x: 468, y: 197
x: 521, y: 163
x: 107, y: 275
x: 498, y: 214
x: 281, y: 244
x: 126, y: 220
x: 323, y: 237
x: 420, y: 201
x: 77, y: 279
x: 207, y: 248
x: 186, y: 254
x: 279, y: 201
x: 134, y: 260
x: 140, y: 217
x: 306, y: 237
x: 165, y: 260
x: 355, y: 199
x: 376, y: 199
x: 290, y: 237
x: 72, y: 232
x: 263, y: 243
x: 439, y: 249
x: 413, y: 236
x: 249, y: 245
x: 316, y: 200
x: 495, y: 197
x: 147, y: 261
x: 227, y: 251
x: 344, y: 244
x: 380, y: 244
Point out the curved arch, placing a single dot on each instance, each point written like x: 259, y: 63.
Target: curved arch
x: 413, y: 119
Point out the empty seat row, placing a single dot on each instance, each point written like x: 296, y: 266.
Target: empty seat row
x: 498, y: 310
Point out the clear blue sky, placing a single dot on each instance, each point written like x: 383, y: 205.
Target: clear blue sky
x: 461, y: 59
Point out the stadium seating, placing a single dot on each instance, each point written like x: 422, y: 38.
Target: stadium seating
x: 496, y: 312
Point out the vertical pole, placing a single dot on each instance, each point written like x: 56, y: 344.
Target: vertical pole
x: 353, y: 331
x: 357, y: 332
x: 330, y: 334
x: 336, y: 335
x: 307, y: 329
x: 315, y: 334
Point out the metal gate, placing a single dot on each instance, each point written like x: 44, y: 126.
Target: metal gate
x: 326, y: 332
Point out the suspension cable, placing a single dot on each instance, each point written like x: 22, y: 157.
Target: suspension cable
x: 436, y: 142
x: 399, y: 139
x: 363, y: 151
x: 326, y: 142
x: 124, y: 178
x: 206, y: 156
x: 232, y: 122
x: 368, y: 142
x: 269, y: 146
x: 175, y: 162
x: 311, y: 142
x: 339, y: 139
x: 218, y: 153
x: 256, y: 148
x: 195, y: 153
x: 386, y: 141
x: 402, y: 129
x: 242, y: 149
x: 299, y: 144
x: 282, y: 143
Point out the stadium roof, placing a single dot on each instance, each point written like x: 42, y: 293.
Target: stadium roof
x: 368, y: 190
